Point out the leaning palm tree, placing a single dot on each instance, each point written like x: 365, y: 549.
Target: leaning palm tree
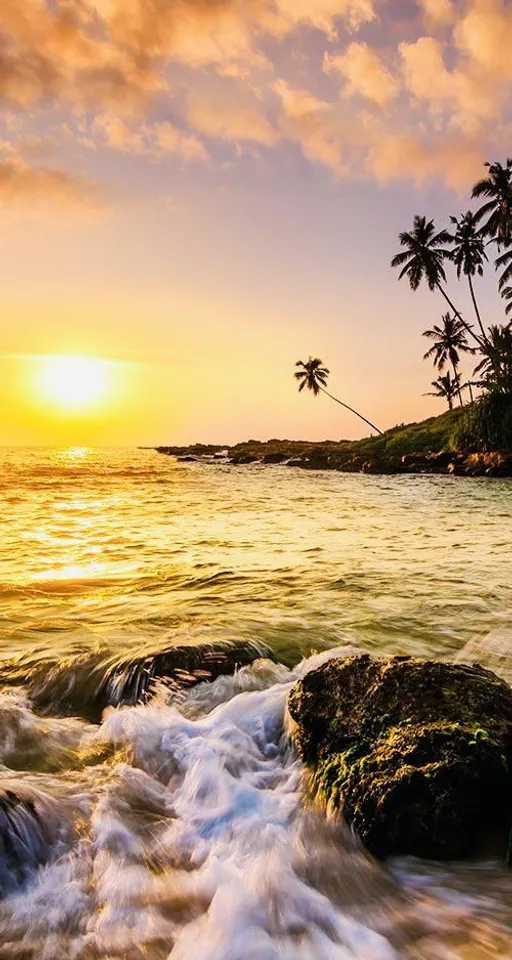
x: 496, y: 212
x: 424, y: 258
x: 449, y: 341
x: 313, y: 375
x: 468, y: 254
x: 446, y: 388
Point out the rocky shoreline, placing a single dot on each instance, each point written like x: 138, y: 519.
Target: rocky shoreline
x: 344, y: 458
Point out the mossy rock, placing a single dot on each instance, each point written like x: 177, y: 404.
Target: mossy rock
x: 417, y: 754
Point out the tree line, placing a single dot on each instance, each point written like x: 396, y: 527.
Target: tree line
x: 466, y: 246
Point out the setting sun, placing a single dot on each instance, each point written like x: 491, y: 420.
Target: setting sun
x: 74, y: 383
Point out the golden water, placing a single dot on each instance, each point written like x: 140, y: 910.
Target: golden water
x: 184, y: 833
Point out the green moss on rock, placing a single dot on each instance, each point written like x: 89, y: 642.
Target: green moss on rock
x: 417, y: 754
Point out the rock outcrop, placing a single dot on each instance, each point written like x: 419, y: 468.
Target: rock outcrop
x: 416, y: 754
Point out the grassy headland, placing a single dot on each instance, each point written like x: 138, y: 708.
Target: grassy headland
x: 430, y: 446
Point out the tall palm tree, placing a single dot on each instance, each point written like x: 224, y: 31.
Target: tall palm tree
x: 445, y: 387
x: 423, y: 259
x: 449, y: 341
x: 496, y: 212
x: 468, y: 254
x: 313, y: 375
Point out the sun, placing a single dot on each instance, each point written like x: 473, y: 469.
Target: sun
x: 74, y: 383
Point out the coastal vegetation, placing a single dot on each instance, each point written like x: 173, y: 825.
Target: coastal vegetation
x: 427, y: 253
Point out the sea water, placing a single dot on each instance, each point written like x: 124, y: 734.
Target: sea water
x: 181, y: 827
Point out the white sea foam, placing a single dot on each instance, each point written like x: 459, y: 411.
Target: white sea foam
x: 198, y: 846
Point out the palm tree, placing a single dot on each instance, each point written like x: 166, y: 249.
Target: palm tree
x: 445, y: 387
x: 449, y: 342
x: 313, y: 375
x: 468, y: 254
x: 506, y: 293
x: 497, y: 210
x: 496, y: 366
x: 424, y: 259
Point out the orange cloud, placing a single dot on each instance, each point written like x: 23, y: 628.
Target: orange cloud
x: 232, y: 123
x: 454, y: 162
x: 21, y: 183
x: 310, y: 122
x: 151, y: 140
x: 365, y: 73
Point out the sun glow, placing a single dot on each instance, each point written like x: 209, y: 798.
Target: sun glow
x: 73, y: 383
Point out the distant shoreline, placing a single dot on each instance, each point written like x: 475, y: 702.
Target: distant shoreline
x: 418, y: 448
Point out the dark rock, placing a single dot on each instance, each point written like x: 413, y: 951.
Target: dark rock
x: 441, y: 460
x: 188, y: 459
x: 275, y: 457
x: 243, y: 458
x: 383, y: 466
x: 417, y: 754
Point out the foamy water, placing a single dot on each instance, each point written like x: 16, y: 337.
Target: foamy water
x: 181, y: 828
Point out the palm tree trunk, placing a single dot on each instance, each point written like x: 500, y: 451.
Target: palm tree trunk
x: 457, y: 314
x: 457, y: 381
x: 477, y: 311
x: 372, y: 425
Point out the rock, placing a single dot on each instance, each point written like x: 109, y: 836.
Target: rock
x: 417, y: 754
x: 275, y: 457
x: 242, y: 458
x: 384, y: 466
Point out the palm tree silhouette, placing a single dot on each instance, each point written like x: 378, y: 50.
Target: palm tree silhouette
x: 468, y: 254
x: 449, y: 342
x: 445, y: 387
x: 496, y: 366
x: 313, y: 375
x: 497, y: 211
x: 424, y: 259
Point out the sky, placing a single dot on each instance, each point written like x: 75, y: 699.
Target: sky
x: 197, y: 193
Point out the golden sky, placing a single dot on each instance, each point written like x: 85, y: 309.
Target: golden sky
x: 199, y: 192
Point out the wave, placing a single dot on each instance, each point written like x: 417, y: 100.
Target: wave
x: 189, y: 839
x: 85, y: 685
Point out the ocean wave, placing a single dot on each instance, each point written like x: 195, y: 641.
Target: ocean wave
x: 193, y: 841
x: 86, y: 685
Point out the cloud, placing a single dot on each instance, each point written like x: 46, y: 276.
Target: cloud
x: 311, y: 123
x: 463, y: 92
x: 21, y: 183
x: 454, y: 162
x: 151, y: 140
x: 439, y: 12
x: 232, y: 123
x: 365, y: 73
x: 415, y: 82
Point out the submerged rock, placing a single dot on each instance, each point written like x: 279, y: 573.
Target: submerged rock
x: 416, y: 754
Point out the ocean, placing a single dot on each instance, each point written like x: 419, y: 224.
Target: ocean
x: 180, y: 827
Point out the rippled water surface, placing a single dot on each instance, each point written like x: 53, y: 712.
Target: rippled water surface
x: 127, y: 547
x: 180, y: 829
